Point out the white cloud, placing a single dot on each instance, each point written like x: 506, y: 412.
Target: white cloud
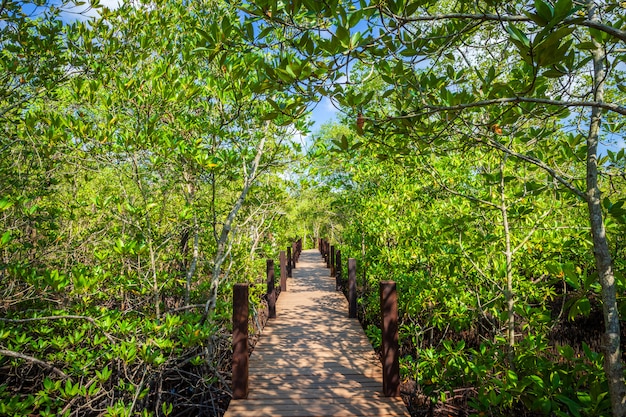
x: 111, y: 4
x: 328, y: 105
x: 83, y: 12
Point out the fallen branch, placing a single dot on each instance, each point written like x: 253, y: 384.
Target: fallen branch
x: 183, y: 308
x: 36, y: 361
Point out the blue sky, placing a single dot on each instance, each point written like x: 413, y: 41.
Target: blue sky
x: 323, y: 112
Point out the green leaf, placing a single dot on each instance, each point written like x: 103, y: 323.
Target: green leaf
x: 5, y: 204
x: 555, y: 38
x: 566, y: 351
x: 544, y: 10
x: 48, y: 384
x: 573, y: 406
x: 569, y: 269
x: 563, y: 9
x: 551, y: 56
x: 226, y: 27
x: 167, y: 408
x: 354, y: 41
x: 355, y: 17
x: 344, y: 143
x: 598, y: 35
x: 582, y: 306
x: 553, y: 73
x: 6, y: 238
x: 536, y: 18
x: 249, y: 29
x: 584, y: 397
x: 208, y: 37
x: 93, y: 390
x: 411, y: 8
x: 535, y: 379
x: 616, y: 208
x: 408, y: 52
x: 264, y: 32
x: 517, y: 35
x: 291, y: 70
x: 343, y: 36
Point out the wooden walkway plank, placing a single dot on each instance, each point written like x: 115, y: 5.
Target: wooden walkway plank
x: 312, y: 360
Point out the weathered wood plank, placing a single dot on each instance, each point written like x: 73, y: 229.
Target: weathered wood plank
x: 327, y: 378
x: 314, y: 407
x: 312, y: 361
x: 289, y: 359
x: 294, y: 392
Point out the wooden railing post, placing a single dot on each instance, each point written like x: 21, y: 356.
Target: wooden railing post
x: 338, y: 270
x: 271, y: 292
x: 294, y: 257
x: 332, y: 261
x: 326, y: 251
x: 352, y: 288
x: 240, y: 341
x: 289, y: 263
x: 329, y: 255
x: 390, y: 351
x: 283, y: 271
x: 299, y: 247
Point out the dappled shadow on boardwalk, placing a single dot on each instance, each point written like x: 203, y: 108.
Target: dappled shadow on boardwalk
x: 312, y: 360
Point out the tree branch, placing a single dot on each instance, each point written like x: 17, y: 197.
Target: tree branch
x: 615, y: 32
x: 486, y: 17
x: 36, y: 361
x: 507, y: 100
x: 531, y: 232
x: 494, y: 144
x: 433, y: 172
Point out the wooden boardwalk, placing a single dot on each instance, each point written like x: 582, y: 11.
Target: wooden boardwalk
x: 312, y: 361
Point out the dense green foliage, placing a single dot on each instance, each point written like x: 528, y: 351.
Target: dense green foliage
x: 428, y: 224
x: 149, y: 163
x: 483, y: 171
x: 139, y: 180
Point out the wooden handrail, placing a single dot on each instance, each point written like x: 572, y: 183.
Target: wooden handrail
x: 271, y: 291
x: 289, y: 263
x: 388, y: 308
x: 241, y: 311
x: 390, y: 349
x: 240, y: 341
x: 283, y: 271
x: 338, y: 270
x: 352, y: 288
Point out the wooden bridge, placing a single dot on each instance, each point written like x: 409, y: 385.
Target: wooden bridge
x: 312, y: 360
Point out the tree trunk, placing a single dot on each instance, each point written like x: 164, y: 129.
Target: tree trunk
x: 222, y: 243
x: 189, y: 190
x: 508, y: 253
x: 194, y: 259
x: 611, y: 344
x: 149, y: 238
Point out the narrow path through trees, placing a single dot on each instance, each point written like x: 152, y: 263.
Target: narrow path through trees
x: 312, y: 360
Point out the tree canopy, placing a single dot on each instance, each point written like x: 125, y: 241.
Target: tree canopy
x: 149, y: 163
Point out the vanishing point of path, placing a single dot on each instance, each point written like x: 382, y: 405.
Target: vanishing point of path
x: 312, y: 360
